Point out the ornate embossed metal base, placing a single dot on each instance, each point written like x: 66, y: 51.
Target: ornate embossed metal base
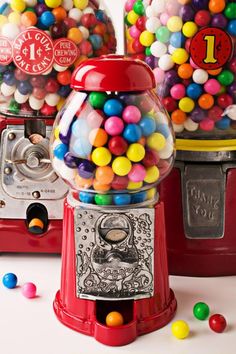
x: 201, y: 235
x: 114, y: 260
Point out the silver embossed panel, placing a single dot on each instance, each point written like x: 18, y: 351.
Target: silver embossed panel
x: 114, y: 253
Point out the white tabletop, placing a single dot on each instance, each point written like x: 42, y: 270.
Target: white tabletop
x: 30, y: 326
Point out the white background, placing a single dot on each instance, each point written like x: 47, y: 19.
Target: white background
x: 30, y: 326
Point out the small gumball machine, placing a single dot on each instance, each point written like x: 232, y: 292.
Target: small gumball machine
x: 117, y: 146
x: 41, y: 42
x: 190, y: 45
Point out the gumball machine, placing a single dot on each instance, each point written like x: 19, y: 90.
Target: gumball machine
x: 190, y: 46
x: 117, y: 146
x: 41, y: 42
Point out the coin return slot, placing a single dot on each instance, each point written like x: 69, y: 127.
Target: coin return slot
x: 124, y: 307
x: 35, y: 130
x: 37, y: 219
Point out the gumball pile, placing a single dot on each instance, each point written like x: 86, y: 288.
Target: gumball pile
x: 79, y: 21
x: 161, y: 32
x: 114, y: 147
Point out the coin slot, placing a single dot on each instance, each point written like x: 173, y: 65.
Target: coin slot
x: 37, y: 219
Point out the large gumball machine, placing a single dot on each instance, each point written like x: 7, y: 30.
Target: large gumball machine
x: 41, y: 42
x: 117, y: 146
x: 190, y: 46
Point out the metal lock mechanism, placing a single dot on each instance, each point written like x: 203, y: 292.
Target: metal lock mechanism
x: 26, y: 173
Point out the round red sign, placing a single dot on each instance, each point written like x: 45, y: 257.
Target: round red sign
x: 5, y: 51
x: 65, y: 52
x: 33, y: 51
x: 211, y: 48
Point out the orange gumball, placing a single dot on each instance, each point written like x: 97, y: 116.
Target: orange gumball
x: 114, y: 319
x: 178, y: 116
x: 142, y: 141
x: 64, y: 77
x: 184, y: 2
x: 83, y: 182
x: 98, y: 137
x: 100, y: 29
x: 104, y: 174
x: 29, y: 18
x: 216, y: 6
x: 101, y: 187
x: 36, y: 223
x: 214, y: 72
x: 185, y: 71
x: 75, y: 35
x: 59, y: 13
x: 130, y: 49
x: 80, y: 60
x: 206, y: 101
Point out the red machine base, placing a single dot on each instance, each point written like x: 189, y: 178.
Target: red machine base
x: 139, y: 320
x: 198, y: 257
x: 15, y: 237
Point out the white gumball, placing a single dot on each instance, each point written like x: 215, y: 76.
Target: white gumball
x: 150, y: 12
x: 152, y: 24
x: 159, y: 6
x: 84, y: 31
x: 200, y: 76
x: 161, y: 118
x: 190, y: 125
x: 35, y: 103
x: 166, y: 152
x: 7, y: 90
x: 171, y: 49
x: 76, y: 14
x: 158, y: 49
x: 178, y: 128
x: 20, y: 98
x: 67, y: 4
x: 60, y: 68
x: 165, y: 62
x: 31, y: 3
x: 231, y: 112
x: 10, y: 30
x: 88, y: 10
x: 52, y: 99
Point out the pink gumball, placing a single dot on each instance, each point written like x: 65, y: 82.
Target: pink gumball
x: 193, y: 64
x: 137, y: 173
x: 159, y: 75
x: 164, y: 19
x: 207, y: 125
x: 187, y: 44
x: 131, y: 114
x: 212, y: 86
x: 172, y: 7
x: 178, y: 91
x: 129, y: 5
x: 134, y: 32
x: 29, y: 290
x: 114, y: 126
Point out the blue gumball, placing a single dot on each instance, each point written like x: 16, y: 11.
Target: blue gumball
x: 80, y: 128
x: 81, y: 147
x: 177, y: 39
x: 122, y: 199
x: 148, y: 125
x: 87, y: 198
x: 163, y: 129
x: 60, y: 150
x: 132, y: 133
x: 47, y: 19
x: 231, y: 28
x: 194, y: 91
x: 9, y: 280
x: 139, y: 197
x: 113, y: 107
x: 224, y: 123
x: 96, y: 41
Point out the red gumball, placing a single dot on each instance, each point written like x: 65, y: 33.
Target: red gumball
x: 202, y: 18
x: 38, y: 81
x: 140, y: 23
x: 52, y: 85
x: 145, y: 104
x: 137, y: 46
x: 86, y: 48
x: 70, y: 22
x: 151, y: 158
x: 117, y: 145
x: 119, y: 182
x: 88, y: 20
x: 64, y: 77
x: 215, y: 113
x: 20, y: 75
x: 224, y: 100
x: 187, y: 44
x: 217, y: 323
x: 47, y: 110
x: 39, y: 93
x: 169, y: 103
x: 163, y: 167
x: 25, y: 107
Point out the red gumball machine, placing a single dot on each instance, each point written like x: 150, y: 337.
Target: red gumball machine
x: 39, y: 49
x: 117, y: 146
x: 190, y: 46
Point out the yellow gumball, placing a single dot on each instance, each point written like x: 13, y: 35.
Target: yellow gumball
x: 127, y: 34
x: 152, y: 174
x: 15, y: 18
x: 121, y: 166
x: 146, y: 38
x: 132, y: 17
x: 189, y: 29
x: 175, y: 24
x: 135, y: 152
x: 53, y: 3
x: 156, y: 141
x: 18, y: 5
x: 180, y: 56
x: 180, y: 329
x: 81, y: 4
x: 101, y: 156
x: 151, y: 193
x: 186, y: 104
x: 57, y: 132
x: 60, y: 103
x: 134, y: 185
x: 3, y: 20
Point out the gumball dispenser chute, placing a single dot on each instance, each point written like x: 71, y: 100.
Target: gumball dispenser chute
x: 190, y: 45
x: 113, y: 144
x: 41, y: 42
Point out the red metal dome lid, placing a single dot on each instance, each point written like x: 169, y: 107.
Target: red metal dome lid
x: 113, y: 73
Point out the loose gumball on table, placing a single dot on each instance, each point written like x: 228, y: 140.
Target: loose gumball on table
x: 113, y: 143
x: 9, y: 280
x: 217, y: 323
x: 190, y: 45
